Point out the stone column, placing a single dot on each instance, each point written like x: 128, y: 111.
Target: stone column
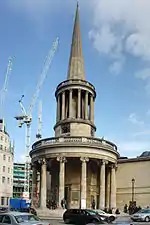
x: 61, y: 161
x: 102, y: 185
x: 43, y: 184
x: 34, y: 185
x: 70, y: 103
x: 92, y: 108
x: 108, y: 188
x: 63, y: 106
x: 84, y: 161
x: 86, y: 105
x: 113, y: 187
x: 58, y: 108
x: 79, y: 103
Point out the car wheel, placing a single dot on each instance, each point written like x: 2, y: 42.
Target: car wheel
x: 111, y: 218
x: 94, y: 221
x: 147, y: 219
x: 66, y: 221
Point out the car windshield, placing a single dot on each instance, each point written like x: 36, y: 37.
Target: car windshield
x: 100, y: 211
x: 26, y: 218
x: 91, y: 212
x: 144, y: 211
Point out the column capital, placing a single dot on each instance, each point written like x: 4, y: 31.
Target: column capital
x: 42, y: 161
x: 113, y: 166
x: 33, y: 166
x: 84, y: 159
x: 61, y: 159
x: 103, y: 162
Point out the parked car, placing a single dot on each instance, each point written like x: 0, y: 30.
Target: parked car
x: 15, y: 218
x: 3, y: 209
x: 81, y: 216
x: 107, y: 216
x: 114, y: 223
x: 141, y: 215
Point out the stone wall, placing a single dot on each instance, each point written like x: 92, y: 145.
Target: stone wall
x: 140, y: 171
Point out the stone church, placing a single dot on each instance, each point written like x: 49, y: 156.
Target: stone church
x: 75, y: 164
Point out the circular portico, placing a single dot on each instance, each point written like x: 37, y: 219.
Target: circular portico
x: 81, y: 168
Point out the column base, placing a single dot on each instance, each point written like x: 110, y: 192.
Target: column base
x: 45, y: 213
x: 83, y: 203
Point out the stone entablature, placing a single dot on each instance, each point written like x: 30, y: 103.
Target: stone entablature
x: 75, y: 82
x: 94, y: 142
x: 75, y: 147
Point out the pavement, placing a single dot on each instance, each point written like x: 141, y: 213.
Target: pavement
x: 54, y: 217
x: 125, y: 220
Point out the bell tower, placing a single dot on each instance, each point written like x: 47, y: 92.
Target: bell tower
x: 75, y: 96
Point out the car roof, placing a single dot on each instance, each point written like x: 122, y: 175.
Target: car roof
x: 15, y: 213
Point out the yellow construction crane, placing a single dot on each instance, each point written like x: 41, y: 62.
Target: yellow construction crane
x: 26, y: 117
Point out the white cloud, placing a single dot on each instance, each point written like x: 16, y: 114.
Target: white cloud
x: 134, y: 119
x: 141, y: 133
x: 121, y: 26
x: 133, y: 148
x: 145, y: 76
x: 148, y: 113
x: 116, y: 66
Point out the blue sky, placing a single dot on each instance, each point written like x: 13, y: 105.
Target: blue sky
x: 116, y: 48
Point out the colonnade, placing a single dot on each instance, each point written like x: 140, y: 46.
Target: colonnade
x: 84, y: 105
x: 107, y: 193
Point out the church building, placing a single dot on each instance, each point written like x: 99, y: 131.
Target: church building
x: 75, y: 165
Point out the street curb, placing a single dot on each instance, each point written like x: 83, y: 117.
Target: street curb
x: 51, y: 218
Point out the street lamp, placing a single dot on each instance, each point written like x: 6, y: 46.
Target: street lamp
x: 133, y: 182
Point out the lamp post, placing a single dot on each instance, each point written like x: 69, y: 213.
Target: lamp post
x: 133, y: 182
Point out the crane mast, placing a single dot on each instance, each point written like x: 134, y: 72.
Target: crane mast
x: 26, y: 117
x: 5, y: 86
x: 39, y: 130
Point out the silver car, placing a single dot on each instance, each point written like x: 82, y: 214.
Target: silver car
x: 142, y: 215
x: 107, y: 216
x: 15, y: 218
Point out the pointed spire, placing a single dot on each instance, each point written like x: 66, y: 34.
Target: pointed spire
x: 76, y: 61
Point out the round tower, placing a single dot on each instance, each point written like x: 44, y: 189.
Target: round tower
x: 75, y: 96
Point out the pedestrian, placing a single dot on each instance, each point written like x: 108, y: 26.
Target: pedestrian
x: 93, y: 203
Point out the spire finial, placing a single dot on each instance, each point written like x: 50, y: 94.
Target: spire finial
x: 76, y: 62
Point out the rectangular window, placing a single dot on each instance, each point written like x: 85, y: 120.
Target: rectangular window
x: 8, y: 170
x: 9, y: 159
x: 3, y: 168
x: 1, y: 147
x: 1, y: 138
x: 4, y: 157
x: 8, y: 180
x: 3, y: 180
x: 7, y: 200
x: 2, y: 201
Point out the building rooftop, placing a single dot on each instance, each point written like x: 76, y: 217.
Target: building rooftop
x: 145, y: 156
